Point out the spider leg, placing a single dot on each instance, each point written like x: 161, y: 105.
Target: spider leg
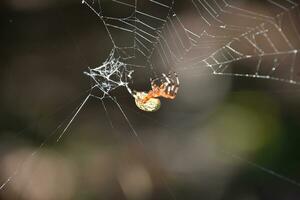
x: 169, y: 89
x: 152, y: 83
x: 170, y: 75
x: 175, y: 91
x: 176, y: 79
x: 167, y: 78
x: 175, y: 83
x: 166, y: 82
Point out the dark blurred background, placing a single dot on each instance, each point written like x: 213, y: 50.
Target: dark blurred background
x: 207, y: 144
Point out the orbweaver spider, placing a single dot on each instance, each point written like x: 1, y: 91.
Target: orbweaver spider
x: 165, y: 86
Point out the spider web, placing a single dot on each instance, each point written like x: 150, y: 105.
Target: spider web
x: 225, y: 33
x: 158, y: 39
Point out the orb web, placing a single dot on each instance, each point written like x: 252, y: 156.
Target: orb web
x: 213, y: 35
x: 222, y: 33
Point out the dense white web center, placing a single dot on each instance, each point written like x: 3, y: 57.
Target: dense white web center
x: 110, y: 75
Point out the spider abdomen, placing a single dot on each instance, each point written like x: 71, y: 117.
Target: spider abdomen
x: 151, y: 105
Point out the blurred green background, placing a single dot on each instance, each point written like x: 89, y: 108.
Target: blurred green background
x: 203, y: 145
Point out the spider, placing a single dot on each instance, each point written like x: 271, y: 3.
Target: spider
x: 165, y: 86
